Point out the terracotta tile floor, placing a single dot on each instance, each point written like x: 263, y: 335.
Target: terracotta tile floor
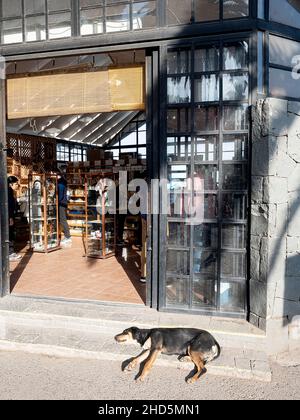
x: 67, y: 274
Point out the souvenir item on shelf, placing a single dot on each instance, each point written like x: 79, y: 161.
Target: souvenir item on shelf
x: 43, y: 214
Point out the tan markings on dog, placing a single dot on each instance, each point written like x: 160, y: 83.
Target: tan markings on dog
x: 140, y: 359
x: 148, y: 344
x: 198, y: 360
x: 149, y: 363
x: 125, y: 338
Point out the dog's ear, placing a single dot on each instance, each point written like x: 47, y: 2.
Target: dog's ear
x: 136, y: 333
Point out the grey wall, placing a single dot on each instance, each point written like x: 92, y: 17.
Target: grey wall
x: 275, y: 222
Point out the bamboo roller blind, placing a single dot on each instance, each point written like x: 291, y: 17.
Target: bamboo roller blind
x: 76, y: 93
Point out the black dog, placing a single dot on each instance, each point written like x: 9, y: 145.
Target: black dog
x: 194, y: 345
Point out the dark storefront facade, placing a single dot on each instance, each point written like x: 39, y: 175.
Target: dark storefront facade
x: 208, y: 63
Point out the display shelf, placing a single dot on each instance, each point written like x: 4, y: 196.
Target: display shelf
x: 76, y: 194
x: 100, y: 228
x: 43, y: 213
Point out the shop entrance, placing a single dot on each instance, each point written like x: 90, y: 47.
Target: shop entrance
x: 105, y: 258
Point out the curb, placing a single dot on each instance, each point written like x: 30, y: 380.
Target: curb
x: 264, y: 375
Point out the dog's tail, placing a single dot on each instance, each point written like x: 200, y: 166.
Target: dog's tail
x: 214, y: 353
x: 218, y: 351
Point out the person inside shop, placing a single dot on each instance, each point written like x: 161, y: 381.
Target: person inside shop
x: 23, y: 201
x: 63, y: 208
x: 13, y: 187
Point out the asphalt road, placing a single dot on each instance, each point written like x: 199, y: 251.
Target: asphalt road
x: 32, y: 377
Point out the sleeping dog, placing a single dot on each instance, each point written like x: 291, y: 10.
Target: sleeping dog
x: 194, y: 345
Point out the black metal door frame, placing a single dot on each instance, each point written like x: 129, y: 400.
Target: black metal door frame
x: 4, y: 225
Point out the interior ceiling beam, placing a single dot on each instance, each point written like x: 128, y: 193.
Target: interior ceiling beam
x: 77, y: 126
x: 117, y: 117
x: 117, y: 128
x: 98, y: 122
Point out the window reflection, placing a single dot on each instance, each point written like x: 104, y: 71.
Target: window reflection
x: 144, y: 15
x: 179, y: 90
x: 206, y: 149
x: 235, y: 8
x: 235, y: 87
x: 235, y: 56
x: 207, y: 88
x: 207, y: 59
x: 235, y: 147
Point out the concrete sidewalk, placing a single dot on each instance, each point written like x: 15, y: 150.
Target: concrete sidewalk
x: 87, y: 330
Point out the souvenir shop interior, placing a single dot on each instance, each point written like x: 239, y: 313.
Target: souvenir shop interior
x: 105, y: 257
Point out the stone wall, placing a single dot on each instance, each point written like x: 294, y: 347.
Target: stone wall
x: 275, y: 222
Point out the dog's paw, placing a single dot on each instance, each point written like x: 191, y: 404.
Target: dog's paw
x: 140, y: 379
x: 185, y: 359
x: 130, y: 367
x: 191, y: 381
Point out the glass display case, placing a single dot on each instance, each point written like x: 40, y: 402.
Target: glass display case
x: 44, y: 223
x: 100, y: 222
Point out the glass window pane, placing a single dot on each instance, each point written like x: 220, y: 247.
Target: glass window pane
x: 235, y: 147
x: 283, y: 84
x: 233, y: 264
x: 234, y: 236
x: 11, y: 31
x: 179, y: 90
x: 205, y: 263
x: 235, y: 87
x: 232, y: 296
x: 179, y: 149
x: 179, y: 12
x: 117, y: 18
x: 207, y: 10
x: 207, y: 59
x: 11, y: 8
x: 235, y: 9
x: 35, y: 28
x: 286, y: 12
x: 144, y: 15
x: 235, y: 56
x: 207, y: 176
x: 236, y: 118
x: 59, y: 25
x: 206, y: 236
x: 179, y: 61
x: 234, y: 177
x: 179, y: 120
x: 234, y: 206
x: 261, y: 9
x: 282, y: 50
x: 178, y: 262
x: 58, y: 5
x: 91, y: 21
x: 34, y: 7
x: 178, y: 234
x: 206, y: 148
x: 207, y: 88
x: 204, y: 292
x: 142, y: 137
x: 207, y: 118
x: 177, y: 290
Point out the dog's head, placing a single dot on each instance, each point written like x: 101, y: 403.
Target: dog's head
x: 130, y: 335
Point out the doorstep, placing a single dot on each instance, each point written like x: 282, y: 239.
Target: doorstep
x: 87, y: 330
